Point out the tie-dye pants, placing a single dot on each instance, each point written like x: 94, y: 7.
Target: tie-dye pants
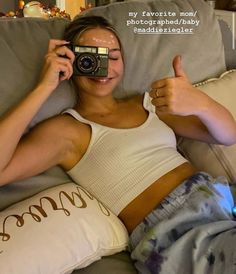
x: 192, y: 231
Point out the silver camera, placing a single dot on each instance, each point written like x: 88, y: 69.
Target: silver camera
x: 90, y: 61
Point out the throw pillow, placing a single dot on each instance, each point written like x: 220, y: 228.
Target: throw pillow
x: 56, y: 231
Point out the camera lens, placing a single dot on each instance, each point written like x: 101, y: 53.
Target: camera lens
x: 87, y: 63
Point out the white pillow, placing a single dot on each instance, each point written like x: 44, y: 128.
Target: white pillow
x: 56, y: 231
x: 215, y: 159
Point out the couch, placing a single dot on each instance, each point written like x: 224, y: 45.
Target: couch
x: 48, y: 224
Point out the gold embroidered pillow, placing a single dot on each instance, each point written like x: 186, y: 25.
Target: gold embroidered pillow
x: 215, y: 159
x: 58, y: 230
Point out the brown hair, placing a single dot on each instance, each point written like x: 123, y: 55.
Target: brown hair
x: 82, y: 23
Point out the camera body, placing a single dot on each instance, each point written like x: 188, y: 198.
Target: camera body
x: 90, y: 61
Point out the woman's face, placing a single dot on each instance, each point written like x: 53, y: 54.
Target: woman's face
x: 101, y: 86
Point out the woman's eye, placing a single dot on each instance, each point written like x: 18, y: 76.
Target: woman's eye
x: 114, y: 56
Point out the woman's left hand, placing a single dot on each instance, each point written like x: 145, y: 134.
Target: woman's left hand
x: 176, y: 95
x: 189, y: 111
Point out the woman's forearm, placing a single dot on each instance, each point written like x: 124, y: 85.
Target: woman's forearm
x: 14, y: 123
x: 218, y: 120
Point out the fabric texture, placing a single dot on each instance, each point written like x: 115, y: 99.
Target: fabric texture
x: 58, y: 230
x: 218, y: 159
x: 17, y: 191
x: 119, y: 263
x: 23, y: 45
x: 191, y: 231
x: 125, y: 161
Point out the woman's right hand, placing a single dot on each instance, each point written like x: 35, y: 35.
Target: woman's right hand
x: 58, y: 64
x: 18, y: 154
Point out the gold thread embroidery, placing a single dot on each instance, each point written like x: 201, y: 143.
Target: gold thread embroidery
x: 43, y: 214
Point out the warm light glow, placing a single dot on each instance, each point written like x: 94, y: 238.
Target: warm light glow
x: 73, y: 7
x: 21, y: 5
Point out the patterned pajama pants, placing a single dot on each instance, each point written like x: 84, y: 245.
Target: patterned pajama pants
x: 192, y: 231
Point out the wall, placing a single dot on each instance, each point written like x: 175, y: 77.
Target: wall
x: 226, y: 5
x: 222, y: 4
x: 7, y: 5
x: 73, y: 7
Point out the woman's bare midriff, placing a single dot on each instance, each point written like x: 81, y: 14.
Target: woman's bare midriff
x: 136, y: 211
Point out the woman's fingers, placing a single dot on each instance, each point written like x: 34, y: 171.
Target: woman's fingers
x: 59, y: 48
x: 158, y: 92
x: 62, y: 66
x: 66, y: 70
x: 65, y: 52
x: 159, y: 102
x: 56, y: 69
x: 54, y: 43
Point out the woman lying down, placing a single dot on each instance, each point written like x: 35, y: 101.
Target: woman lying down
x: 124, y: 152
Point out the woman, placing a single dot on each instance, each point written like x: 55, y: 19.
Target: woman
x: 123, y: 151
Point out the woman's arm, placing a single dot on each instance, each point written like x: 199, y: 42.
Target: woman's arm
x: 14, y: 123
x: 190, y: 112
x: 46, y: 145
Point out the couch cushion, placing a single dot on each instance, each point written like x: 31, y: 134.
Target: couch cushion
x: 119, y: 263
x: 149, y: 56
x: 218, y: 160
x: 23, y: 44
x: 20, y: 190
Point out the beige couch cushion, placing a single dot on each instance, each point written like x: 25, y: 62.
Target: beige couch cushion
x: 23, y: 44
x: 148, y: 57
x: 215, y: 159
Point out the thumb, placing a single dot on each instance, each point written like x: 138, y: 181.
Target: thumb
x: 177, y: 66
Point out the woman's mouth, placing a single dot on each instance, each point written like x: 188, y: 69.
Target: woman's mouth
x: 101, y: 80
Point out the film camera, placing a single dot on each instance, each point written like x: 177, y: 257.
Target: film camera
x: 90, y: 61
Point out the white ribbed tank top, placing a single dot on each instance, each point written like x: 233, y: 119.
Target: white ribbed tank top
x: 119, y: 164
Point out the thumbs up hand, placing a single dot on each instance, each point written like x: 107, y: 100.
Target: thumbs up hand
x: 177, y: 66
x: 176, y: 95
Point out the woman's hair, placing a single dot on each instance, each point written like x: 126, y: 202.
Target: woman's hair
x: 82, y: 23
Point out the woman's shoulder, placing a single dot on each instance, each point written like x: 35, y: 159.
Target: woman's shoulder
x: 135, y: 99
x: 143, y: 101
x: 64, y: 126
